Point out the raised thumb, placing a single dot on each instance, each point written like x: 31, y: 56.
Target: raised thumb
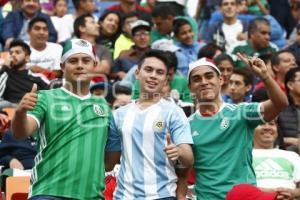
x: 168, y: 138
x: 34, y: 88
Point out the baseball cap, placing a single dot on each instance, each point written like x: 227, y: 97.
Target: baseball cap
x: 249, y: 192
x: 139, y: 24
x: 164, y: 45
x: 180, y: 2
x: 202, y: 62
x: 75, y: 46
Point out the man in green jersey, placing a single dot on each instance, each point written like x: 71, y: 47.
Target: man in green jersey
x: 72, y: 129
x: 223, y: 133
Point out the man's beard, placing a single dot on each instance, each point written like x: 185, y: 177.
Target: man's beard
x: 18, y: 65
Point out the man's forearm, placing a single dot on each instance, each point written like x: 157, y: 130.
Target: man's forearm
x: 21, y: 126
x: 186, y: 157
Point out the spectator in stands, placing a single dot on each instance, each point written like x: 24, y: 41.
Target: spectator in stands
x: 16, y: 80
x: 184, y: 34
x: 222, y: 133
x: 225, y: 63
x: 17, y: 154
x: 85, y: 27
x: 258, y: 7
x: 128, y: 6
x: 45, y: 56
x: 240, y: 85
x: 295, y: 47
x: 15, y: 25
x: 62, y: 21
x: 258, y: 42
x: 72, y: 128
x: 231, y: 31
x: 168, y: 136
x: 288, y: 120
x: 124, y: 41
x: 84, y: 7
x: 149, y: 5
x: 210, y: 51
x: 140, y: 31
x: 276, y: 170
x: 110, y: 29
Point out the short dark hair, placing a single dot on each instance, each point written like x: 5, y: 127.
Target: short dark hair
x: 56, y: 1
x: 253, y: 25
x: 76, y: 4
x: 36, y: 20
x: 246, y: 74
x: 178, y: 23
x: 221, y: 2
x: 163, y: 10
x: 218, y: 59
x: 290, y: 76
x: 129, y: 15
x: 209, y: 50
x: 161, y: 55
x: 22, y: 44
x: 80, y: 22
x: 275, y: 57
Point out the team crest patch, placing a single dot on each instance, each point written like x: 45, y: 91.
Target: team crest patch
x: 98, y: 110
x: 82, y: 43
x: 225, y: 123
x: 159, y: 125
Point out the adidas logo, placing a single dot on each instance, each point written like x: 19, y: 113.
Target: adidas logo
x: 65, y: 108
x: 271, y: 169
x: 195, y: 133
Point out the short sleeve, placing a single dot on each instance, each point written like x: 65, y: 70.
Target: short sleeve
x: 39, y: 111
x: 251, y: 112
x: 179, y: 127
x: 114, y: 140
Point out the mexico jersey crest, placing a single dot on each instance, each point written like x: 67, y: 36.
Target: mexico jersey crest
x: 98, y: 110
x: 224, y: 123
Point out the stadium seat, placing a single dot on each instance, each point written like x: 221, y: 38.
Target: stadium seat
x: 17, y: 187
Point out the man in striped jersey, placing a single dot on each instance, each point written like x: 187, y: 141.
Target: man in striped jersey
x: 72, y: 129
x: 223, y: 133
x: 152, y: 134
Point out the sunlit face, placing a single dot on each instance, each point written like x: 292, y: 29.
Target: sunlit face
x: 287, y: 61
x: 237, y: 88
x: 265, y: 135
x: 110, y: 24
x: 78, y: 68
x: 152, y: 76
x: 229, y: 8
x: 205, y: 84
x: 185, y: 34
x: 38, y: 33
x: 61, y: 8
x: 261, y: 38
x: 141, y: 38
x: 91, y: 27
x: 18, y: 57
x: 30, y: 7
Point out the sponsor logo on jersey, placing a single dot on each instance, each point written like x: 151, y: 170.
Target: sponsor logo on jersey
x: 98, y: 110
x: 159, y: 125
x: 65, y: 108
x: 225, y: 123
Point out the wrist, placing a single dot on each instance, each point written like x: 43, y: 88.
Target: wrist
x: 265, y: 78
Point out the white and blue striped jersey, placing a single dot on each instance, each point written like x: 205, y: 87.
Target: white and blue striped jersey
x: 146, y: 172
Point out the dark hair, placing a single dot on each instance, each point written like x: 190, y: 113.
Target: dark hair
x: 209, y: 51
x: 253, y: 25
x: 163, y: 10
x: 218, y: 59
x: 246, y: 74
x: 105, y: 14
x: 129, y: 15
x: 221, y: 2
x: 76, y: 3
x: 173, y: 62
x: 275, y: 57
x: 80, y: 22
x: 178, y: 23
x: 36, y: 20
x: 21, y: 43
x: 161, y: 55
x: 290, y: 76
x: 56, y: 1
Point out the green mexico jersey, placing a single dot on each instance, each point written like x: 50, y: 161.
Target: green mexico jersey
x: 71, y: 139
x: 223, y: 149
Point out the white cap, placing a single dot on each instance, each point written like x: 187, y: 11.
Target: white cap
x: 139, y: 23
x: 180, y: 2
x: 202, y: 62
x: 164, y: 45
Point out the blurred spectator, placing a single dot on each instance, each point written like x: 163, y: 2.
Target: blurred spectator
x: 84, y: 7
x: 276, y: 170
x: 231, y: 31
x: 258, y: 42
x: 240, y: 85
x: 17, y: 154
x: 249, y: 192
x: 295, y: 47
x: 62, y: 21
x: 288, y: 120
x: 225, y: 63
x: 124, y: 41
x: 295, y: 8
x: 16, y: 80
x: 210, y: 51
x: 258, y: 7
x: 110, y: 29
x: 185, y: 41
x: 45, y: 56
x: 15, y: 25
x: 149, y: 5
x: 85, y: 27
x: 140, y: 31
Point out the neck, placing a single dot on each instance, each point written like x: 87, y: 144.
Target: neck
x: 257, y: 146
x: 230, y: 21
x: 89, y: 38
x: 280, y: 79
x: 38, y: 47
x: 78, y: 88
x: 28, y: 16
x: 296, y: 100
x: 128, y: 7
x: 145, y: 100
x: 210, y: 107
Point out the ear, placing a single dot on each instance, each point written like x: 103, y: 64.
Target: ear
x: 248, y: 87
x: 62, y: 66
x: 81, y: 29
x: 27, y: 58
x: 221, y: 80
x: 275, y: 68
x: 290, y: 85
x: 137, y: 71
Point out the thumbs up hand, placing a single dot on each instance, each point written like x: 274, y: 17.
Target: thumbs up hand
x: 171, y: 149
x: 29, y: 100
